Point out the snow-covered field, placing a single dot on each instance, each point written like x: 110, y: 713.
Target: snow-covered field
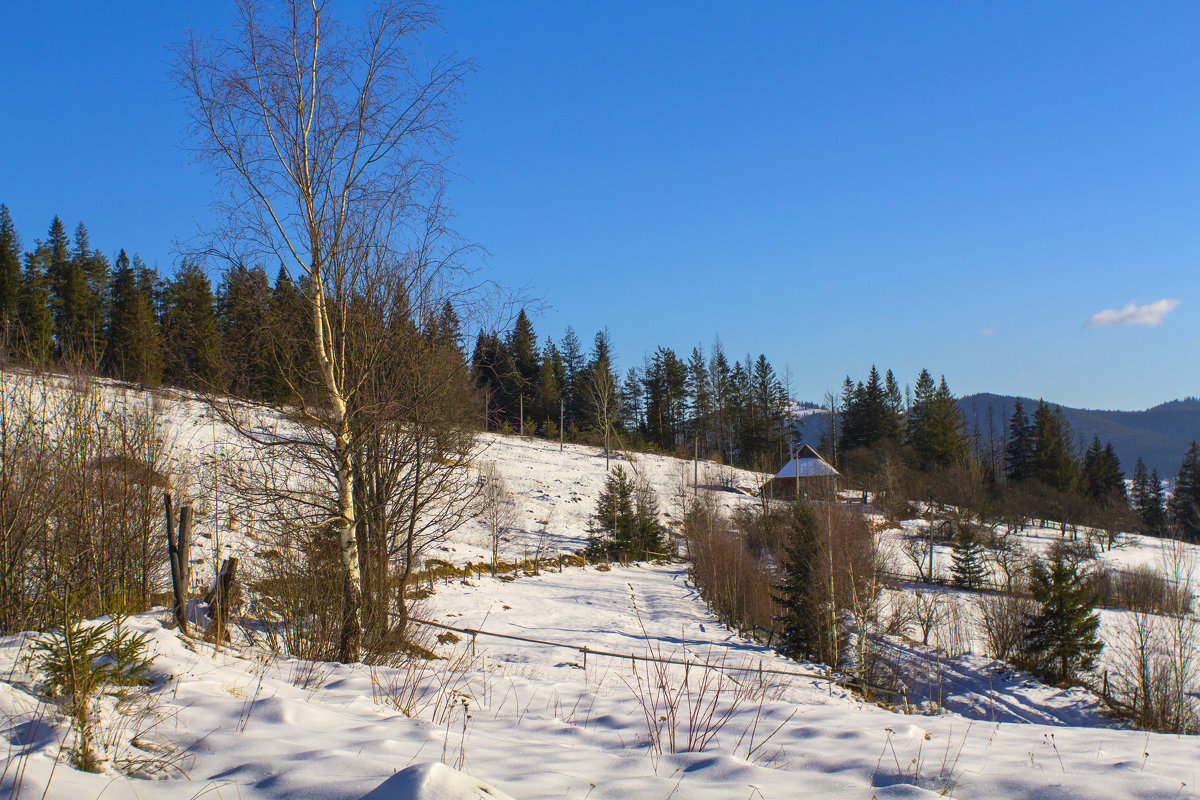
x: 501, y: 717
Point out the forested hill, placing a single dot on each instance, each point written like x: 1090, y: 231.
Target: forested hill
x: 1159, y: 435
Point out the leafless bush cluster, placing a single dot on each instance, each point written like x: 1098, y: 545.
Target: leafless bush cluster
x: 734, y: 581
x: 953, y: 636
x: 1002, y: 624
x: 79, y: 479
x: 1154, y: 663
x: 1141, y: 588
x: 738, y: 565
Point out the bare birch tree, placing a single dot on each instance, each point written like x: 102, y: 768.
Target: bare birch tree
x: 329, y: 140
x: 496, y: 508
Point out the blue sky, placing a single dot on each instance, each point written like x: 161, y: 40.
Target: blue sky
x: 945, y: 185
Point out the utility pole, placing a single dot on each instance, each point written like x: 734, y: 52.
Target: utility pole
x: 695, y: 463
x: 522, y: 413
x: 561, y: 417
x: 795, y: 468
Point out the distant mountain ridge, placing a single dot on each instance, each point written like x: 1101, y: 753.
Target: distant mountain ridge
x: 1159, y: 435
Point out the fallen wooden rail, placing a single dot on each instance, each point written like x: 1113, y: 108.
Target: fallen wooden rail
x: 473, y: 632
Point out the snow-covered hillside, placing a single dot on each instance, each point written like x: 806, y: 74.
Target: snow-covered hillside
x: 555, y: 718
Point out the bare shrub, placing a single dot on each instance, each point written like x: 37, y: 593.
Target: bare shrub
x: 1009, y: 558
x: 735, y: 583
x: 1141, y: 670
x: 902, y: 615
x: 496, y: 508
x: 928, y: 611
x: 1141, y: 588
x: 916, y: 550
x: 953, y: 636
x: 1002, y: 623
x: 79, y: 476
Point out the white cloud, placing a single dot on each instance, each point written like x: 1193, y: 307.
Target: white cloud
x: 986, y: 332
x: 1133, y: 314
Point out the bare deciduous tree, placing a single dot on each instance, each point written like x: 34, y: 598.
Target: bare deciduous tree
x: 496, y: 508
x: 329, y: 140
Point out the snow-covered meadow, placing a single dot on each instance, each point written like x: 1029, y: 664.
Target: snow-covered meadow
x: 499, y: 717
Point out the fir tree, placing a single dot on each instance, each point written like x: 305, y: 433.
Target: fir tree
x: 721, y: 382
x: 1140, y: 500
x: 34, y: 308
x: 1185, y: 500
x: 892, y: 426
x: 700, y: 396
x: 485, y: 368
x: 625, y: 524
x: 967, y: 565
x: 133, y: 351
x: 1053, y: 454
x: 633, y: 417
x: 1101, y: 479
x: 572, y: 385
x: 189, y: 327
x: 290, y: 340
x: 91, y: 271
x: 935, y: 424
x: 799, y: 616
x: 1155, y: 515
x: 1018, y: 452
x: 10, y: 278
x: 523, y: 367
x: 243, y: 310
x: 1061, y: 636
x: 665, y: 394
x: 548, y: 393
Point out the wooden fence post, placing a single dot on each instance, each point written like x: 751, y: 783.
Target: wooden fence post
x: 219, y: 600
x: 178, y: 548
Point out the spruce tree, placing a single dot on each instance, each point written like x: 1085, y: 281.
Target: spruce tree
x: 799, y: 614
x: 243, y: 308
x: 649, y: 536
x: 133, y: 350
x: 91, y: 272
x: 34, y: 312
x: 1061, y: 636
x: 290, y: 346
x: 1140, y: 500
x: 65, y: 286
x: 1155, y: 515
x: 699, y: 397
x: 633, y: 416
x: 548, y: 393
x: 572, y: 385
x: 1185, y: 500
x: 1053, y: 452
x: 189, y: 325
x: 625, y: 525
x: 967, y: 564
x: 524, y: 365
x: 935, y: 425
x: 10, y: 278
x: 891, y: 427
x: 1018, y: 452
